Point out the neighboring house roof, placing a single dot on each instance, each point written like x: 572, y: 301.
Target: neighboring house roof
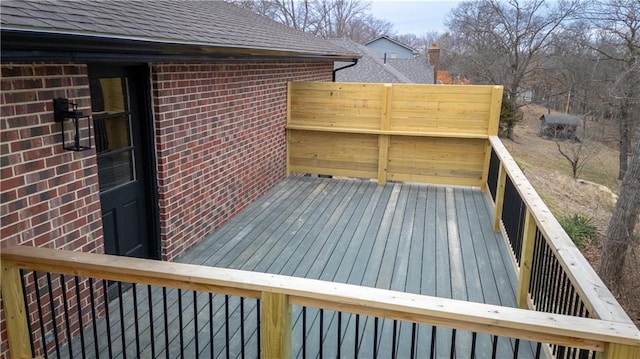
x: 371, y: 68
x: 206, y: 28
x: 418, y: 69
x: 387, y: 38
x: 560, y: 119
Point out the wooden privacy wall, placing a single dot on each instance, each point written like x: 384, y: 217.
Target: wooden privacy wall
x: 414, y: 133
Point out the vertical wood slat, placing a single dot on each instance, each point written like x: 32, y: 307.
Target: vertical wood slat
x: 526, y: 259
x: 617, y: 351
x: 383, y: 140
x: 275, y: 326
x: 383, y: 158
x: 494, y: 112
x: 497, y: 212
x: 15, y: 312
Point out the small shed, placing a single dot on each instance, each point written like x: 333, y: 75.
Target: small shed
x: 559, y: 126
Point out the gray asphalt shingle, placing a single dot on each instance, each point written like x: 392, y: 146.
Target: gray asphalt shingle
x: 371, y: 68
x: 205, y: 23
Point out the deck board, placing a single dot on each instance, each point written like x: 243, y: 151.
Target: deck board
x: 430, y: 240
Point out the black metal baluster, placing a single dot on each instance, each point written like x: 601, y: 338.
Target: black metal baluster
x: 548, y: 256
x: 320, y: 336
x: 122, y: 328
x: 40, y: 318
x: 494, y: 347
x: 357, y: 341
x: 226, y: 325
x: 534, y: 285
x: 211, y: 326
x: 395, y: 336
x: 180, y: 327
x: 166, y: 322
x: 560, y: 353
x: 105, y: 296
x: 242, y: 327
x: 516, y: 348
x: 538, y: 350
x: 339, y: 334
x: 195, y: 321
x: 151, y: 333
x: 26, y: 302
x: 65, y: 303
x: 566, y: 285
x: 136, y: 325
x: 433, y: 342
x: 474, y: 338
x: 452, y: 352
x: 94, y: 318
x: 414, y: 329
x: 375, y: 337
x: 76, y: 281
x: 553, y: 298
x: 259, y: 332
x: 53, y: 315
x: 304, y: 332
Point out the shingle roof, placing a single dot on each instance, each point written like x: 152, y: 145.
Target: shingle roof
x: 561, y: 119
x: 195, y: 23
x: 371, y: 68
x: 417, y: 69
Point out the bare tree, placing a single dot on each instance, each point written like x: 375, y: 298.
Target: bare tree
x: 500, y: 41
x: 323, y: 18
x: 577, y: 153
x: 619, y: 41
x: 620, y: 236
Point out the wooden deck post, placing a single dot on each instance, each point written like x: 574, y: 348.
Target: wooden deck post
x: 497, y: 211
x: 526, y: 259
x: 275, y: 326
x: 15, y: 312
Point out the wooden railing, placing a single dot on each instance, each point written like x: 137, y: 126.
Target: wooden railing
x: 400, y: 132
x: 553, y: 275
x: 277, y: 295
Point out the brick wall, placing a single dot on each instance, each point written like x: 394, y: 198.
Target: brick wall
x: 220, y: 140
x: 48, y: 197
x: 220, y: 144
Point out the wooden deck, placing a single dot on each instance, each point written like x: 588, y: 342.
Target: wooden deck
x: 431, y: 240
x: 415, y: 238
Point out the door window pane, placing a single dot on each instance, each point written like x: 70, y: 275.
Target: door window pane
x: 115, y: 169
x: 112, y: 125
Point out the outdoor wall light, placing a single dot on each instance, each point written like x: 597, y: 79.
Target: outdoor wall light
x: 75, y: 126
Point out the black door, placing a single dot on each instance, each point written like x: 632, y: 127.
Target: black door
x: 118, y: 101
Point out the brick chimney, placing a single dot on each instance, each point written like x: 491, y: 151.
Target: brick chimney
x: 433, y: 54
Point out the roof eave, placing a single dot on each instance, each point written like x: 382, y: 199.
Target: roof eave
x: 25, y: 44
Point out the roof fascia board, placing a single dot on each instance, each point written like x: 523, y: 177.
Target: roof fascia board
x: 18, y: 43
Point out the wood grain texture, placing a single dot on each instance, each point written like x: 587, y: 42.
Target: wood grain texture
x: 526, y: 259
x: 14, y: 311
x: 450, y: 115
x: 275, y: 326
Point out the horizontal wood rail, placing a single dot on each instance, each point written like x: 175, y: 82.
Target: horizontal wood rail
x: 280, y: 292
x: 401, y: 132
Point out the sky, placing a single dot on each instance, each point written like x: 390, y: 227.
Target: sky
x: 416, y: 16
